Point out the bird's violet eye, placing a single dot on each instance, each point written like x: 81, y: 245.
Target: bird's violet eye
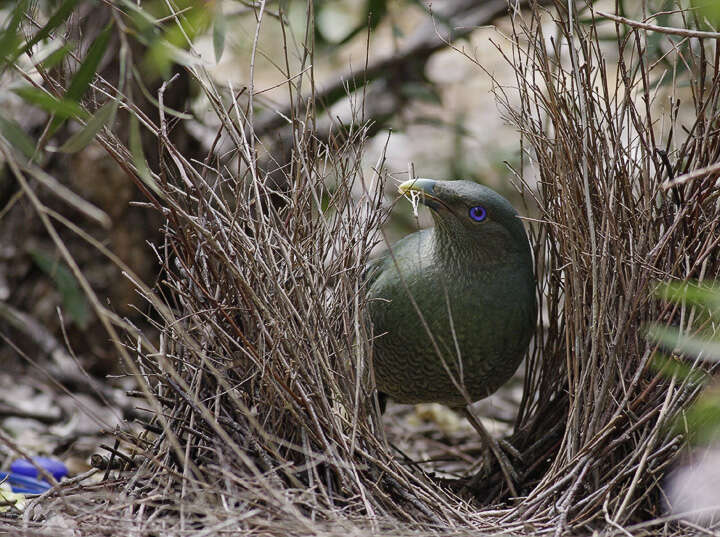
x: 478, y: 213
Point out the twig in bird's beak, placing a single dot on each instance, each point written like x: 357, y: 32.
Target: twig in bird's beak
x: 414, y: 194
x: 414, y: 201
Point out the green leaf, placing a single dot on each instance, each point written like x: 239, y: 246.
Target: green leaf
x: 670, y: 338
x: 105, y: 115
x: 710, y: 10
x: 73, y: 299
x: 85, y: 74
x: 138, y: 155
x: 702, y: 419
x: 60, y: 107
x: 162, y: 54
x: 692, y: 293
x: 55, y: 57
x: 14, y: 134
x: 139, y: 14
x: 670, y: 366
x: 9, y: 39
x: 60, y: 16
x: 219, y: 31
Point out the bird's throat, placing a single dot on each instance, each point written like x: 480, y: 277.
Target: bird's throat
x: 463, y: 252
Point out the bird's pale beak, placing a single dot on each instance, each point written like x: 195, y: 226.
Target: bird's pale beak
x: 424, y: 186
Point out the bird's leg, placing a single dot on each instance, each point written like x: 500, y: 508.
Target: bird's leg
x: 491, y: 445
x: 382, y: 401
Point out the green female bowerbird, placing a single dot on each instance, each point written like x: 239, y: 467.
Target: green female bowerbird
x: 453, y: 307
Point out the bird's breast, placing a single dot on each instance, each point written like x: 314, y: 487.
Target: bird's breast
x: 446, y: 327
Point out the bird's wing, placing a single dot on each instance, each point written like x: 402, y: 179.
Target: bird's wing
x: 407, y: 248
x: 374, y: 268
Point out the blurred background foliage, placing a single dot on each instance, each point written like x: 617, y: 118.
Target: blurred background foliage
x: 700, y: 423
x: 395, y: 60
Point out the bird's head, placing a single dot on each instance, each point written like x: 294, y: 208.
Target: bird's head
x: 465, y: 211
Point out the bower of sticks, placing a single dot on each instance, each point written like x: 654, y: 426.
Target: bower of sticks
x: 257, y: 379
